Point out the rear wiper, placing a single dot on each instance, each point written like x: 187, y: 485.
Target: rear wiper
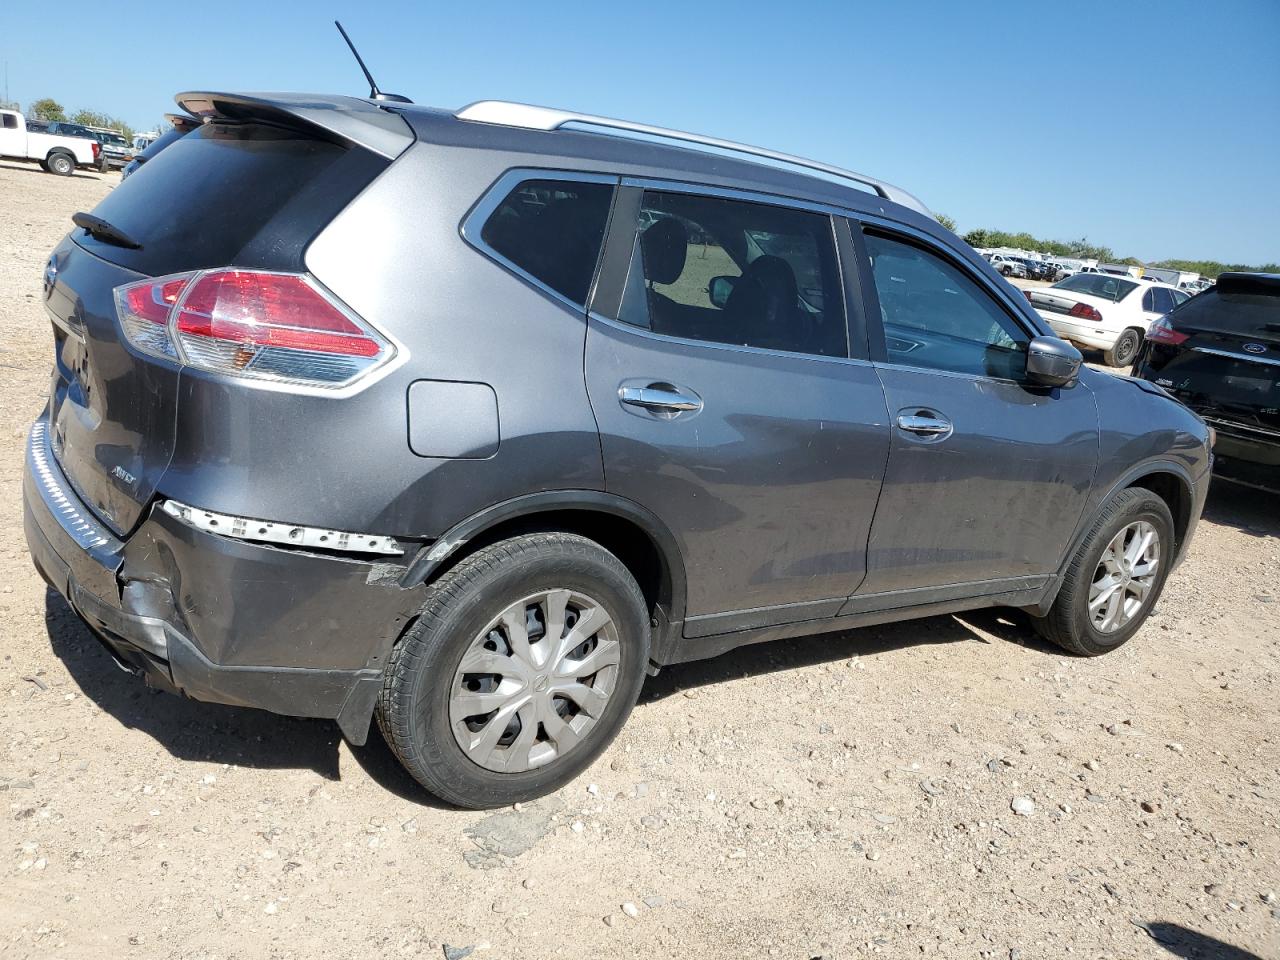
x: 99, y: 229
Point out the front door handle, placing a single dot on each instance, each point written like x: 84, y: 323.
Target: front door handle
x: 660, y: 398
x: 925, y: 423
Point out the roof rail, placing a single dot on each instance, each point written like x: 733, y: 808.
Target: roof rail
x: 508, y: 114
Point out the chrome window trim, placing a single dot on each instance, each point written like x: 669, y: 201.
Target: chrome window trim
x: 472, y: 226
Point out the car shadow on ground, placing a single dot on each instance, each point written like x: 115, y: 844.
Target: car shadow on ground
x: 28, y: 168
x: 1183, y: 942
x: 188, y: 729
x: 1248, y: 509
x: 214, y: 732
x: 1012, y: 626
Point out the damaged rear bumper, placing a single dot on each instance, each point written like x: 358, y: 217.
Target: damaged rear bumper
x: 217, y: 619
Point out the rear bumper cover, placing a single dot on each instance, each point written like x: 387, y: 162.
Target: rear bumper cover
x: 1089, y: 336
x: 218, y: 619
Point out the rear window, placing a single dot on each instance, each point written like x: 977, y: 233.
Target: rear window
x: 1098, y: 285
x: 1252, y: 314
x: 204, y: 200
x: 552, y: 230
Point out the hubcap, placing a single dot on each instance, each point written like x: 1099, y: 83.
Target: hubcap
x: 534, y: 681
x: 1124, y: 577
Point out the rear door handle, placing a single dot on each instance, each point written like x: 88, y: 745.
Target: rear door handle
x: 660, y: 398
x: 925, y: 423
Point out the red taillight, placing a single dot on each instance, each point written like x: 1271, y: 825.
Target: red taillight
x: 1027, y: 294
x: 269, y: 310
x: 153, y: 301
x: 267, y: 326
x: 97, y: 149
x: 1162, y: 331
x: 1086, y: 312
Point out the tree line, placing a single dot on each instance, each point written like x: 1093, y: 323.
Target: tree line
x: 1082, y: 249
x: 46, y: 108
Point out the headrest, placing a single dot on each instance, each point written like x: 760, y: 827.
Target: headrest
x: 664, y: 244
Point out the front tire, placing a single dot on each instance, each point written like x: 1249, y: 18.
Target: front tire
x: 62, y: 164
x: 1125, y: 349
x: 1115, y: 578
x: 521, y: 668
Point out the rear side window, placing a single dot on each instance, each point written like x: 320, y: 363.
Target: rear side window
x: 231, y: 195
x: 552, y: 230
x: 736, y: 272
x: 10, y: 121
x: 938, y: 317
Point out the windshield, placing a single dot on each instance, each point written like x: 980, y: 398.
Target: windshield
x: 1100, y: 285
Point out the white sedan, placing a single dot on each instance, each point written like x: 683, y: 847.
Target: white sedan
x: 1105, y: 312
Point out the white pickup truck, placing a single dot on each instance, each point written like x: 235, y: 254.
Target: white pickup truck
x: 56, y: 154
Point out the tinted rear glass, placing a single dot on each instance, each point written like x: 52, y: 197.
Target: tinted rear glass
x: 1237, y: 314
x: 552, y: 230
x: 204, y: 199
x: 1098, y: 285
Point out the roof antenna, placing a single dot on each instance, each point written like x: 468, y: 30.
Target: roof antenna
x: 374, y: 92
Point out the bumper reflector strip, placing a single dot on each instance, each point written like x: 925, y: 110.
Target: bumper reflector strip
x: 244, y: 528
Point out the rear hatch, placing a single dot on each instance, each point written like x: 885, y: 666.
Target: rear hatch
x: 250, y: 190
x: 1225, y: 363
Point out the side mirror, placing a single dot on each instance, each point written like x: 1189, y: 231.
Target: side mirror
x: 1052, y: 362
x: 719, y: 289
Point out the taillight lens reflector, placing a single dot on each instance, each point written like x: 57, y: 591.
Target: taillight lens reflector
x: 1086, y: 312
x: 267, y: 326
x: 1162, y: 331
x: 144, y: 309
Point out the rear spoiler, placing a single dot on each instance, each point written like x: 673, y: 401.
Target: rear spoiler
x: 345, y: 119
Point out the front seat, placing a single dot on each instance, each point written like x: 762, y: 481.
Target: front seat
x: 763, y: 309
x: 664, y: 246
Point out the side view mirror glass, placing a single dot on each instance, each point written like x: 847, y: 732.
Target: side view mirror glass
x: 718, y: 290
x: 1052, y: 362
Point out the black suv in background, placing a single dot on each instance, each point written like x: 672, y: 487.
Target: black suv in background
x: 1219, y: 353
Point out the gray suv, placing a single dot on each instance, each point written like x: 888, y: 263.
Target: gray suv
x: 467, y: 421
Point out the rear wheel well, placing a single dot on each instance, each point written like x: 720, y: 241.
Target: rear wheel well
x: 1173, y: 491
x: 625, y: 539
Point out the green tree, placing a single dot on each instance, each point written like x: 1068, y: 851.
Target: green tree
x: 46, y: 108
x: 92, y: 118
x: 946, y: 221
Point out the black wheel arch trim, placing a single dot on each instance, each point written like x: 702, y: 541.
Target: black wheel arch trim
x: 430, y: 558
x: 1126, y: 480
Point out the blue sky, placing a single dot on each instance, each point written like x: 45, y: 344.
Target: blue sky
x: 1151, y: 127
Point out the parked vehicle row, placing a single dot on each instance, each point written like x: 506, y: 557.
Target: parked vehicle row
x: 1008, y: 265
x: 826, y: 412
x: 1105, y: 312
x: 1219, y: 353
x: 55, y: 152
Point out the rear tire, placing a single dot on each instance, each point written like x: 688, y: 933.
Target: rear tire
x: 1077, y: 621
x: 1125, y: 349
x: 528, y: 718
x: 62, y: 164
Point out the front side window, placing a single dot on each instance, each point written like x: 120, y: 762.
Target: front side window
x: 552, y: 230
x: 936, y: 316
x: 736, y: 272
x: 10, y: 121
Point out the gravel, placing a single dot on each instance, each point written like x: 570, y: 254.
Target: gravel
x: 860, y: 860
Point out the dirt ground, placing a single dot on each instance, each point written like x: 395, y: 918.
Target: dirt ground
x: 836, y: 796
